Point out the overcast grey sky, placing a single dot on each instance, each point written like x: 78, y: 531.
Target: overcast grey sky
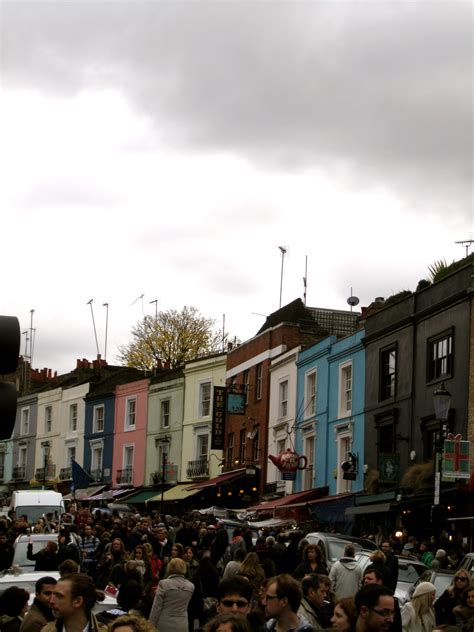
x: 169, y: 148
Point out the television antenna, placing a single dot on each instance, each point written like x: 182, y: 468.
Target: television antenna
x: 93, y: 323
x: 467, y: 243
x: 283, y: 250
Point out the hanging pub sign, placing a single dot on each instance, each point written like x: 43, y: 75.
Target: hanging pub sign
x: 389, y: 468
x: 218, y: 418
x: 289, y: 462
x: 236, y: 403
x: 455, y: 457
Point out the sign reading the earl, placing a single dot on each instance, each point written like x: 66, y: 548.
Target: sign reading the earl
x: 218, y: 418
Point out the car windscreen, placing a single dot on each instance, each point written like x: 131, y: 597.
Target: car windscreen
x: 35, y: 512
x: 409, y: 572
x: 20, y: 558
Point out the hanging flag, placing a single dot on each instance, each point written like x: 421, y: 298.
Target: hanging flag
x: 456, y: 458
x: 80, y: 478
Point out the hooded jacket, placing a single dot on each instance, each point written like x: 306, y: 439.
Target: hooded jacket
x: 346, y: 577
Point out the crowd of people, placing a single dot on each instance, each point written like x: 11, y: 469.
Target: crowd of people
x: 173, y: 575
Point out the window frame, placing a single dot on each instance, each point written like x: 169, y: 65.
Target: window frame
x: 343, y: 447
x: 165, y: 414
x: 310, y: 401
x: 96, y: 408
x: 73, y: 417
x: 201, y: 408
x: 259, y: 381
x: 308, y: 473
x: 24, y: 410
x: 229, y: 452
x: 283, y: 394
x: 387, y: 391
x: 48, y: 419
x: 128, y: 427
x: 432, y: 375
x: 343, y: 410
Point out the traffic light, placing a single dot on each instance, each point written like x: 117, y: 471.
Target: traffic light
x: 9, y: 352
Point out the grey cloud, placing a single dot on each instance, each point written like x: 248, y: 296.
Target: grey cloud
x: 375, y: 93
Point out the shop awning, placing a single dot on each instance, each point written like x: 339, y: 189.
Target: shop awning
x: 110, y: 494
x: 367, y: 509
x: 178, y: 492
x: 219, y: 480
x: 139, y: 497
x: 299, y: 499
x: 82, y: 494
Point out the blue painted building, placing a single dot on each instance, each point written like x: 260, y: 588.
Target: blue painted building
x: 330, y: 414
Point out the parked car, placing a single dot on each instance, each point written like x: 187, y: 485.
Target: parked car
x: 409, y: 570
x: 20, y: 546
x: 440, y: 578
x: 333, y: 544
x: 28, y: 579
x: 467, y: 564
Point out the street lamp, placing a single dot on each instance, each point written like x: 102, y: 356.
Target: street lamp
x: 46, y: 447
x: 441, y: 401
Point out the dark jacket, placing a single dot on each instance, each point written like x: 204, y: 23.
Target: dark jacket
x: 37, y: 617
x: 44, y: 560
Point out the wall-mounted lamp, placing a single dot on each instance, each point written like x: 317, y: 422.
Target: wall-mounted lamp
x: 413, y: 455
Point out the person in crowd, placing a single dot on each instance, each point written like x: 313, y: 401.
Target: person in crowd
x: 68, y: 567
x: 140, y: 555
x: 265, y: 557
x: 219, y: 543
x: 46, y: 559
x: 344, y: 616
x: 346, y: 574
x: 440, y: 559
x: 114, y: 555
x: 291, y: 557
x: 13, y: 607
x: 391, y: 565
x: 237, y: 542
x: 233, y: 566
x: 169, y: 612
x: 379, y: 561
x: 130, y: 623
x: 251, y: 570
x: 372, y: 576
x: 162, y: 545
x: 206, y: 583
x: 453, y: 560
x: 187, y: 535
x: 40, y: 612
x: 191, y: 561
x: 6, y: 552
x: 88, y: 546
x: 228, y: 623
x: 426, y: 553
x: 418, y: 615
x: 314, y: 606
x: 464, y: 613
x: 451, y: 598
x: 374, y: 608
x: 282, y: 599
x: 67, y: 549
x: 72, y: 602
x: 275, y: 548
x: 155, y: 564
x: 313, y: 562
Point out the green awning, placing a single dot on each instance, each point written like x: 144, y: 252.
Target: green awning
x: 139, y: 497
x: 178, y: 492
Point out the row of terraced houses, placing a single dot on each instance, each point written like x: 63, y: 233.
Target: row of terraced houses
x: 352, y: 392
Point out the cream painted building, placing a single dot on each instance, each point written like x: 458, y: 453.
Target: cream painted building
x: 281, y: 417
x: 48, y: 450
x: 165, y: 425
x: 71, y: 429
x: 198, y: 461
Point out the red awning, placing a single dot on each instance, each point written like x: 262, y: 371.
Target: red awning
x: 300, y: 498
x: 219, y: 480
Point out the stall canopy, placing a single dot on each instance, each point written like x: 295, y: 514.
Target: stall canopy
x: 178, y: 492
x: 111, y: 493
x: 219, y: 480
x: 139, y: 497
x: 83, y: 494
x: 331, y: 512
x: 292, y: 500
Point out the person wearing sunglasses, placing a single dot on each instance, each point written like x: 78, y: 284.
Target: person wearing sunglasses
x: 375, y: 607
x: 418, y: 615
x: 451, y: 598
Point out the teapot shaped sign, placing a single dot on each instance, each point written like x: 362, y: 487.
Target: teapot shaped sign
x: 289, y: 462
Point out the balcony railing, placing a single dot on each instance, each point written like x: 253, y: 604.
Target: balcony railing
x: 125, y: 476
x: 97, y: 474
x: 65, y: 473
x: 45, y: 473
x: 19, y: 472
x: 198, y: 468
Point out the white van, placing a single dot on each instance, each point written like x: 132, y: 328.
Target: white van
x: 37, y: 503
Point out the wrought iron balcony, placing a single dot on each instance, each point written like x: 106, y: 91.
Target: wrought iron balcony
x: 198, y: 468
x: 97, y: 474
x: 19, y: 472
x: 45, y: 473
x: 125, y: 476
x: 65, y: 473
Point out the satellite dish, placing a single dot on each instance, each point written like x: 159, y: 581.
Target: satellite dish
x: 353, y: 301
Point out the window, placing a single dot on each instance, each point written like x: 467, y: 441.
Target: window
x: 230, y: 451
x: 130, y: 413
x: 283, y: 403
x: 345, y: 390
x: 344, y: 446
x: 22, y: 453
x: 242, y: 447
x: 202, y: 446
x: 259, y: 381
x: 25, y: 421
x: 127, y: 473
x: 310, y: 395
x: 73, y: 417
x: 246, y: 383
x: 99, y: 412
x: 48, y: 418
x: 440, y: 357
x: 386, y: 438
x: 70, y: 455
x: 97, y: 452
x: 256, y: 446
x: 309, y: 453
x: 165, y: 413
x: 204, y: 399
x: 387, y: 373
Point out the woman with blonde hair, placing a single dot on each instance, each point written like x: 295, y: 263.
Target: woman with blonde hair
x: 451, y: 598
x: 418, y: 615
x: 129, y: 623
x: 169, y: 612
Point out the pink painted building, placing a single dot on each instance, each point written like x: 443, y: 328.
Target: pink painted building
x: 131, y: 413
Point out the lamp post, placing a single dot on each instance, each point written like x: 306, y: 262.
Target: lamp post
x: 164, y: 461
x: 46, y: 447
x: 441, y: 401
